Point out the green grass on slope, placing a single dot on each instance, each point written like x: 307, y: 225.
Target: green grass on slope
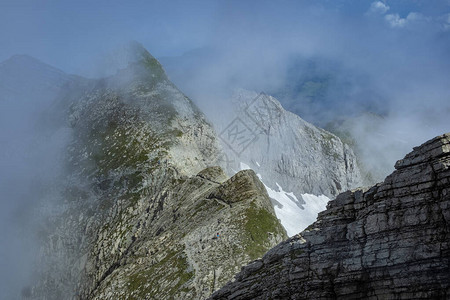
x: 168, y: 276
x: 258, y: 225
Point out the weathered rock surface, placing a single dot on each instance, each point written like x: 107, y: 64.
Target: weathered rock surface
x: 296, y: 160
x: 166, y: 246
x: 391, y: 241
x: 142, y: 204
x: 286, y: 150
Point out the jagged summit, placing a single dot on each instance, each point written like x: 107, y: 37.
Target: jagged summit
x: 306, y: 159
x: 428, y: 151
x: 390, y: 241
x: 133, y: 60
x: 135, y: 52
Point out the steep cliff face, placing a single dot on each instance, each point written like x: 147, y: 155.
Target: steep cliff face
x: 390, y: 241
x: 293, y: 158
x: 138, y: 211
x: 168, y: 244
x: 284, y: 148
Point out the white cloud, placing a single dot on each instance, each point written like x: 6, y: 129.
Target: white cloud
x: 414, y: 16
x: 396, y: 21
x: 378, y: 7
x: 446, y: 22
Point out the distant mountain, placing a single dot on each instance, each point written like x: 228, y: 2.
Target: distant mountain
x: 301, y: 165
x: 316, y: 88
x: 321, y: 90
x: 23, y: 78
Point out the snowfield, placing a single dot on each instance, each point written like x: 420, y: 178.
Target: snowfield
x: 295, y: 215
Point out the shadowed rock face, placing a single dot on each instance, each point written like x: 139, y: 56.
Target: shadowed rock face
x: 390, y: 241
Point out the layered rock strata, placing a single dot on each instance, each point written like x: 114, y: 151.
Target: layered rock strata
x: 390, y: 241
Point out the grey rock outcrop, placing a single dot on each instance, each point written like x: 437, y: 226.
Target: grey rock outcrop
x: 391, y: 241
x: 167, y: 247
x: 285, y: 149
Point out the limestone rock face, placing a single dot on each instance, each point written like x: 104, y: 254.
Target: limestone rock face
x: 391, y: 241
x: 300, y: 164
x: 286, y: 150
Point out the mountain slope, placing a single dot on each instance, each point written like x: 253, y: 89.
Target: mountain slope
x: 31, y: 146
x: 300, y: 164
x: 141, y: 203
x: 388, y: 241
x: 174, y: 252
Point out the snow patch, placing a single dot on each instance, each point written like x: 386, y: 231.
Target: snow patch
x: 295, y: 215
x: 244, y: 166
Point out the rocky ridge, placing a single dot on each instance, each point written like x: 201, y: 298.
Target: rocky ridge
x: 300, y: 164
x: 141, y: 196
x: 167, y: 247
x: 389, y: 241
x: 138, y: 211
x: 285, y: 149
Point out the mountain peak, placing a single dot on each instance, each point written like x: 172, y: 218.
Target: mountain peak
x: 138, y: 50
x: 23, y: 58
x: 25, y: 78
x: 133, y: 54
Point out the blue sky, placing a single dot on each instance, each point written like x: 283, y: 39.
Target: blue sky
x: 65, y: 33
x: 68, y: 34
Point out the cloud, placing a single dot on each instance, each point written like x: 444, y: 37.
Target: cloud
x: 378, y: 7
x: 323, y: 64
x: 396, y: 21
x: 445, y: 21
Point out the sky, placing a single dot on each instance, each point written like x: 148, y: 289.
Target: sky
x: 68, y: 34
